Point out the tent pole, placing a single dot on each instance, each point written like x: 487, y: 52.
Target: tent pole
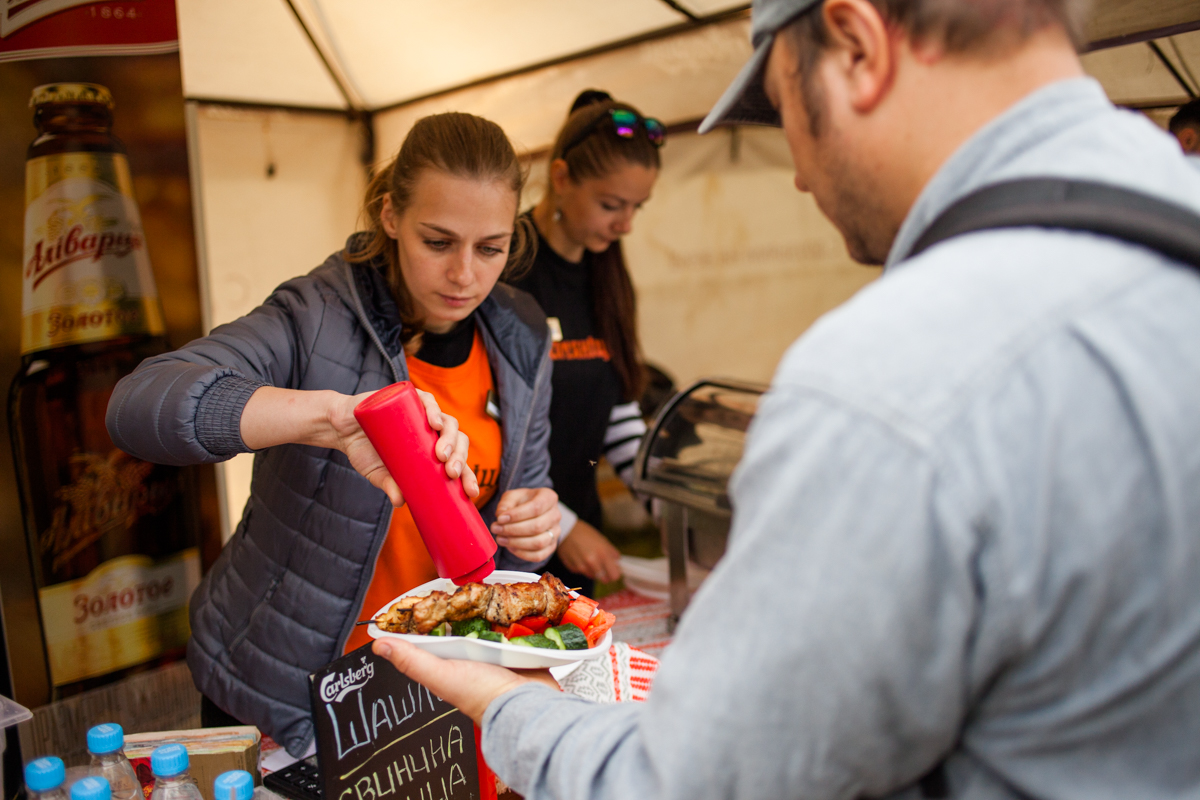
x: 677, y: 7
x: 366, y: 133
x: 1166, y: 62
x: 363, y: 117
x: 334, y: 74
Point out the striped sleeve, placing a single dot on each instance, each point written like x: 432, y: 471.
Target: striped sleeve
x: 625, y: 431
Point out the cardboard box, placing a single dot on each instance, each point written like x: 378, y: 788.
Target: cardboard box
x: 211, y: 751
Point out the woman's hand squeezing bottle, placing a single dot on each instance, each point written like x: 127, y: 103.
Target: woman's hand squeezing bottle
x: 326, y: 419
x: 451, y: 448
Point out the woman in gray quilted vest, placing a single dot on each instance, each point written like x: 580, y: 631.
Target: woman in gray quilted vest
x: 320, y: 544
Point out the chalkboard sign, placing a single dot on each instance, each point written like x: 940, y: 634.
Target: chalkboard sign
x: 383, y: 736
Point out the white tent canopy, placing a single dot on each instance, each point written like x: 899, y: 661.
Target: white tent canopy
x: 373, y: 54
x: 384, y: 52
x: 288, y: 99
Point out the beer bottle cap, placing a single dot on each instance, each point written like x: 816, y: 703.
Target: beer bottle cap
x: 71, y: 93
x: 44, y: 774
x: 107, y: 737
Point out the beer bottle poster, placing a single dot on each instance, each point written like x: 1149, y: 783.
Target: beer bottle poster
x: 383, y: 736
x: 110, y: 548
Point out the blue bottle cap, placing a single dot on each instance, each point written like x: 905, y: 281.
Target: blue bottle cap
x: 91, y: 788
x: 44, y: 774
x: 168, y: 760
x: 233, y: 785
x: 107, y: 737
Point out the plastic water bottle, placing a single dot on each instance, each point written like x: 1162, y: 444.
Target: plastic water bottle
x: 169, y: 764
x: 93, y: 787
x: 238, y: 784
x: 106, y: 743
x: 44, y: 779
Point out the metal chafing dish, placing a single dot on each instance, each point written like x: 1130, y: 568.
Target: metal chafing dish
x: 685, y: 461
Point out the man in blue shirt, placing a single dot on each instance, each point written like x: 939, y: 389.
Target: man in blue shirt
x: 965, y: 556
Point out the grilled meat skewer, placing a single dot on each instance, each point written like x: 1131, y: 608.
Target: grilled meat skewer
x: 502, y: 603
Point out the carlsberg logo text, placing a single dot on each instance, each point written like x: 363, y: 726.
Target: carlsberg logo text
x: 78, y: 246
x: 335, y: 687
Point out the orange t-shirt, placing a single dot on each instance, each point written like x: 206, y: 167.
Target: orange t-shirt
x: 461, y: 392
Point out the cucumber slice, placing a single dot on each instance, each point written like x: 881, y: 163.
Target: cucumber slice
x: 440, y: 630
x: 536, y: 640
x: 472, y: 635
x: 554, y: 636
x: 492, y: 636
x: 572, y: 637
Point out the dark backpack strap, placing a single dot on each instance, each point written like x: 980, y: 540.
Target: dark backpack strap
x: 1069, y: 205
x: 1072, y: 205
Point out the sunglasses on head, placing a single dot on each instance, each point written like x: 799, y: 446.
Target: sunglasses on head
x: 625, y: 125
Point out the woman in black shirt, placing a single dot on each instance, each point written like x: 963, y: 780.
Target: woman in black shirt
x: 602, y: 168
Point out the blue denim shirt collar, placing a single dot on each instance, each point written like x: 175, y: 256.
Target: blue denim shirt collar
x: 990, y: 154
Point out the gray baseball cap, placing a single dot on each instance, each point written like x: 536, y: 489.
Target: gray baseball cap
x: 744, y: 102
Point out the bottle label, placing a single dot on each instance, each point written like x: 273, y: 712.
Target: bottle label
x: 127, y: 611
x: 87, y: 274
x: 106, y: 493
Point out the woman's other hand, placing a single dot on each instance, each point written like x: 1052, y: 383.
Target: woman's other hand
x: 275, y: 416
x: 589, y: 552
x: 527, y: 523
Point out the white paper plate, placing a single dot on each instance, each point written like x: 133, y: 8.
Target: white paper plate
x: 513, y: 656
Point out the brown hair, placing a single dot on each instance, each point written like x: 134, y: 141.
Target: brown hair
x: 600, y: 153
x: 462, y: 145
x: 959, y: 26
x: 965, y: 26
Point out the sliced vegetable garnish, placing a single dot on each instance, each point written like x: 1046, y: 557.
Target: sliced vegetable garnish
x: 535, y: 640
x: 572, y: 637
x: 553, y: 635
x: 578, y: 614
x: 600, y: 625
x: 517, y: 630
x: 535, y: 624
x: 492, y: 636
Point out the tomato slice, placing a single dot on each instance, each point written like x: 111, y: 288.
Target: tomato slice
x: 517, y: 629
x: 535, y: 624
x: 578, y: 614
x: 588, y: 600
x: 601, y: 624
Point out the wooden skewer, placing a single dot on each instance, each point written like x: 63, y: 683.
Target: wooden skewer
x: 369, y: 621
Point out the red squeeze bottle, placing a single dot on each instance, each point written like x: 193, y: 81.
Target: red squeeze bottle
x: 456, y: 537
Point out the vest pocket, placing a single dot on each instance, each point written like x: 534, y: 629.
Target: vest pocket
x: 254, y: 615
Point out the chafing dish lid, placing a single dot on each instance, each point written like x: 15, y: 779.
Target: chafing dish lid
x: 695, y: 443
